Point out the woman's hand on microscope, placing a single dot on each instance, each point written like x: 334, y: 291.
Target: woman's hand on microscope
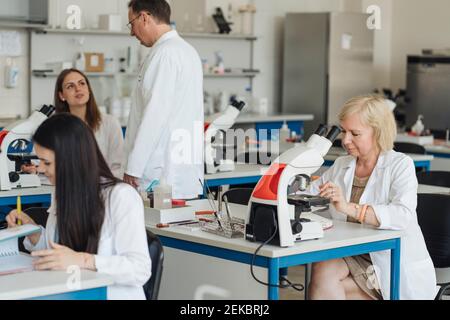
x: 331, y: 191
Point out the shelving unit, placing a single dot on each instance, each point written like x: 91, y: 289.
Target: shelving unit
x: 40, y: 74
x: 233, y: 75
x: 20, y: 25
x: 62, y: 42
x: 46, y: 29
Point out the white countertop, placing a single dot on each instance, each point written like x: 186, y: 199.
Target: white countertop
x: 341, y: 234
x: 256, y: 118
x: 241, y: 171
x: 5, y: 122
x: 36, y: 284
x: 438, y: 149
x: 27, y: 191
x: 415, y: 157
x: 333, y: 154
x: 424, y: 188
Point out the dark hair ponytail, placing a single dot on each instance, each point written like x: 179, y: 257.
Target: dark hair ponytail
x: 81, y: 174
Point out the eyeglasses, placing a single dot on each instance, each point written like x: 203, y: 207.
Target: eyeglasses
x: 130, y: 24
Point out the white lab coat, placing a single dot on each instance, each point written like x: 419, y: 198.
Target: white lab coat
x: 109, y: 138
x: 123, y: 250
x: 392, y: 192
x: 165, y: 129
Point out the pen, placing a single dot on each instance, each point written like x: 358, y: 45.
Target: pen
x: 174, y: 224
x: 19, y: 211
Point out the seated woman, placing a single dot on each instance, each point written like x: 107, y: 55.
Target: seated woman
x: 95, y: 220
x: 375, y: 186
x: 73, y: 94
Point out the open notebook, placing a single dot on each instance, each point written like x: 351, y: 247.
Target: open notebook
x: 11, y: 260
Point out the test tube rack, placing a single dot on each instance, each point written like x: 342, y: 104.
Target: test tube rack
x: 229, y: 229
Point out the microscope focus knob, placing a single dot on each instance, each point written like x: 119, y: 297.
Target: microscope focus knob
x: 297, y: 227
x: 14, y: 177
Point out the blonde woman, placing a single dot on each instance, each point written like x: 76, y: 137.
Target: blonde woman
x: 377, y: 187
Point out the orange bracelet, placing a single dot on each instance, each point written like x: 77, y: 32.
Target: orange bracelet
x: 362, y: 216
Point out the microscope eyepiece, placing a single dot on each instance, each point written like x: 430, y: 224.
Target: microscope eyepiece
x: 333, y: 134
x: 47, y: 110
x: 321, y: 130
x: 238, y: 104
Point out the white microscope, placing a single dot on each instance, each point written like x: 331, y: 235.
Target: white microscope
x: 18, y: 136
x: 222, y: 123
x: 273, y: 216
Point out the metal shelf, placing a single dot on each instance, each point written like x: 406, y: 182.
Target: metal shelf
x: 21, y: 25
x: 233, y: 75
x: 219, y: 36
x: 126, y: 33
x: 39, y: 74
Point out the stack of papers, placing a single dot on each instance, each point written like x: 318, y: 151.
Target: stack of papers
x: 11, y: 260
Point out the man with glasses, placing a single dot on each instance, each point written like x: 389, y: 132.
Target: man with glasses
x: 164, y: 138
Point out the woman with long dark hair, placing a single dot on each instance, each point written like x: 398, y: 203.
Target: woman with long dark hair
x: 95, y: 220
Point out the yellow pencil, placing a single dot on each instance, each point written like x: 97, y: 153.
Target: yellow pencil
x: 19, y: 211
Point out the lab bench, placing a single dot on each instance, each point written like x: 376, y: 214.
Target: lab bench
x: 215, y: 267
x: 55, y: 285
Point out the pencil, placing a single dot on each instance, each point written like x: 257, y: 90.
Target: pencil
x: 19, y: 211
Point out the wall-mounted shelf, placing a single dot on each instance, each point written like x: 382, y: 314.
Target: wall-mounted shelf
x: 40, y: 74
x: 219, y: 36
x: 127, y: 33
x: 20, y: 25
x: 232, y: 75
x: 234, y: 46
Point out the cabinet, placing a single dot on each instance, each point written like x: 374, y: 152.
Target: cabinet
x: 23, y: 13
x: 58, y: 45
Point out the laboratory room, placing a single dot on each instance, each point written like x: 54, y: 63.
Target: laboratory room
x: 233, y: 150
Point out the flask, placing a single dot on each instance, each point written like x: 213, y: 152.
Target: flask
x: 163, y: 195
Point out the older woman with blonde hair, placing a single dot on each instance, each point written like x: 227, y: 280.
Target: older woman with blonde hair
x: 377, y: 187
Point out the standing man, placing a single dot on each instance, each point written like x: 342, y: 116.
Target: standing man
x: 167, y: 106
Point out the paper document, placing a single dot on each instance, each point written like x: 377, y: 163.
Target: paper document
x: 20, y: 231
x: 13, y: 261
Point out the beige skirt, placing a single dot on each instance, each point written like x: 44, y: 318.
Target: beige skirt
x: 362, y: 271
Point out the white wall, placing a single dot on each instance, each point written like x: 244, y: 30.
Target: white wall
x: 382, y: 43
x: 14, y: 102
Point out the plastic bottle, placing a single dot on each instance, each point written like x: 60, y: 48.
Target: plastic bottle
x: 80, y: 63
x: 294, y: 136
x: 163, y: 195
x: 285, y: 133
x: 11, y: 75
x: 418, y: 127
x: 248, y: 99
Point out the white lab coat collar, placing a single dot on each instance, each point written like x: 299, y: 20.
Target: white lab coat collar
x: 166, y: 36
x: 52, y: 208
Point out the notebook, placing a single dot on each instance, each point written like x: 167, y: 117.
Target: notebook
x: 11, y: 259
